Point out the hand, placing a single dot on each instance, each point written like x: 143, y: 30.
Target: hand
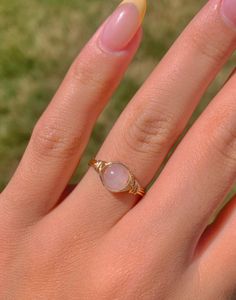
x: 89, y: 243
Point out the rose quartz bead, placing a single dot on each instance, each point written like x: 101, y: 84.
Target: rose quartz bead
x: 115, y: 177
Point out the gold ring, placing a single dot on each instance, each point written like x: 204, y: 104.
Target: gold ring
x: 116, y: 177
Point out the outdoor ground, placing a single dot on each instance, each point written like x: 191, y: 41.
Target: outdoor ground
x: 38, y: 41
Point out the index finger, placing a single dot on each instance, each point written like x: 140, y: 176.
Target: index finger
x: 61, y: 135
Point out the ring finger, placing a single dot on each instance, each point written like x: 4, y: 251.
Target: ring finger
x: 159, y: 112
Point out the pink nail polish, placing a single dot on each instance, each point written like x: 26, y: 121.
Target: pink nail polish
x: 228, y: 10
x: 121, y: 27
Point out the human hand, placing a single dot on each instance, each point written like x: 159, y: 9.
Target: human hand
x: 89, y: 243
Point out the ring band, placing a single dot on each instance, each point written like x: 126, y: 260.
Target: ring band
x: 116, y: 177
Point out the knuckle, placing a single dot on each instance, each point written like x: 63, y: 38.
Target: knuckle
x: 89, y: 72
x: 227, y: 148
x: 222, y: 130
x: 214, y: 50
x: 82, y: 71
x: 150, y: 131
x: 51, y: 139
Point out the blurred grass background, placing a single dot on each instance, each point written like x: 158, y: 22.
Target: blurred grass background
x: 39, y: 40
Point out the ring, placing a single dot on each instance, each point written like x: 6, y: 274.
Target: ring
x: 116, y: 177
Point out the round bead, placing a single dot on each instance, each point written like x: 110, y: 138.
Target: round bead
x: 116, y: 177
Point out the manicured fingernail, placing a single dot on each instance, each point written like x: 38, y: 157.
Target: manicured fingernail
x: 123, y: 24
x: 228, y: 10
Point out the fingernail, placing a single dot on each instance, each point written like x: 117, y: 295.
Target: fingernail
x: 228, y: 10
x: 123, y: 24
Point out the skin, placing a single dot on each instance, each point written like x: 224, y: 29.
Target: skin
x: 91, y: 244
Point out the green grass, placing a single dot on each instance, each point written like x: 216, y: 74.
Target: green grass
x: 39, y: 40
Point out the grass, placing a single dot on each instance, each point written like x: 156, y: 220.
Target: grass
x: 39, y: 39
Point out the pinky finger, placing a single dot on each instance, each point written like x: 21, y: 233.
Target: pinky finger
x: 217, y: 253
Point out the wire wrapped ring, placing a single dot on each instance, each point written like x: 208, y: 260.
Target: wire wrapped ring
x: 116, y: 177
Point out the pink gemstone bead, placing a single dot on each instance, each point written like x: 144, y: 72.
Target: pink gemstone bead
x: 116, y: 177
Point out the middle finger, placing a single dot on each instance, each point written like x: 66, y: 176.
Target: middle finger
x: 159, y: 111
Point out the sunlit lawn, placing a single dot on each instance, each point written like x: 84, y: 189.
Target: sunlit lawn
x: 39, y: 39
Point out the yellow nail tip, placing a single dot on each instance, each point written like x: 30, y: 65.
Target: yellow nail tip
x: 140, y: 4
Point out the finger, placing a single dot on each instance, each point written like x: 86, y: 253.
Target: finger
x: 217, y: 252
x: 159, y: 111
x: 66, y: 192
x: 61, y: 134
x: 197, y: 177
